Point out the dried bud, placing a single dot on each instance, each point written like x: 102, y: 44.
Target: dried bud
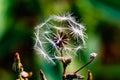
x: 17, y: 65
x: 65, y: 60
x: 17, y: 57
x: 93, y: 55
x: 18, y: 68
x: 74, y: 76
x: 25, y: 74
x: 16, y: 54
x: 68, y: 60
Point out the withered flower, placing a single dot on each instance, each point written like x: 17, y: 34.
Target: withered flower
x: 61, y: 40
x: 59, y: 32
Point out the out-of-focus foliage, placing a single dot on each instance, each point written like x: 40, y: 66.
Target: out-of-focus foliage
x: 101, y: 18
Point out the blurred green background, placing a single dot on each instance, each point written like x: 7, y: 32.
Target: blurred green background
x: 101, y: 18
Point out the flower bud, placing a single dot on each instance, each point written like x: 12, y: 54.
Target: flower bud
x: 93, y: 55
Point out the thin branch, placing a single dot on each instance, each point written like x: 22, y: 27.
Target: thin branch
x: 42, y: 75
x: 84, y: 65
x: 89, y: 75
x: 92, y: 57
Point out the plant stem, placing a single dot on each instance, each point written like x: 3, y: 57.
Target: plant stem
x: 64, y: 65
x: 61, y: 54
x: 64, y: 71
x: 84, y: 65
x: 89, y: 75
x: 42, y: 75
